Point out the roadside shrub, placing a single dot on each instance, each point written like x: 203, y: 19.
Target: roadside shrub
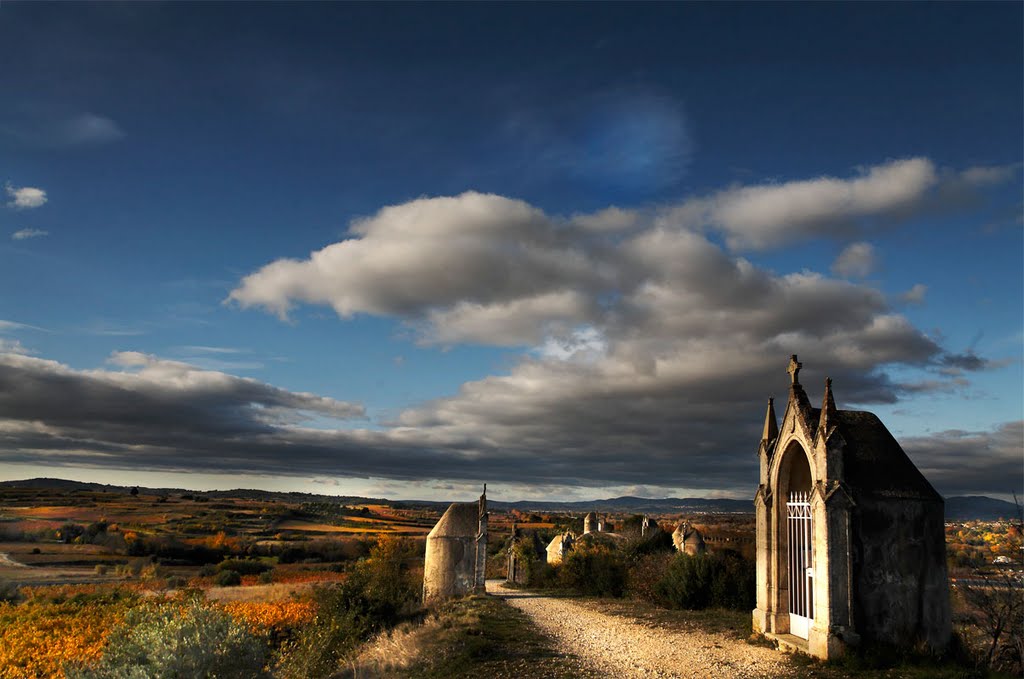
x: 733, y: 582
x: 378, y: 593
x: 543, y: 575
x: 228, y: 578
x: 594, y: 570
x: 721, y: 580
x: 100, y: 569
x: 266, y: 577
x: 206, y: 570
x: 167, y: 641
x: 644, y: 576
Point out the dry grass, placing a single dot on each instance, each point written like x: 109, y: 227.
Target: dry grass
x: 394, y: 651
x: 257, y: 593
x: 479, y: 636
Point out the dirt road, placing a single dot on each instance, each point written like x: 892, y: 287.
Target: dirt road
x: 6, y: 561
x: 618, y: 647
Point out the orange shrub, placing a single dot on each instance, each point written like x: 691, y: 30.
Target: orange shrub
x: 275, y: 616
x: 38, y: 639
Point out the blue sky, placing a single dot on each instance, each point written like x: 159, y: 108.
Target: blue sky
x: 403, y: 249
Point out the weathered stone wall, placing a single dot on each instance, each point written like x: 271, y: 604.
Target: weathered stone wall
x: 557, y: 548
x: 899, y: 571
x: 449, y: 568
x: 455, y: 546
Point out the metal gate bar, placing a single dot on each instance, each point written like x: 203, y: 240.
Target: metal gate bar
x: 801, y: 591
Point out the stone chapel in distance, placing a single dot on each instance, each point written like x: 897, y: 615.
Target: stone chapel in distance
x: 456, y: 553
x: 850, y: 537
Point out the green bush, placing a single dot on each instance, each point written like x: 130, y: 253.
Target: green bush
x: 645, y: 574
x: 378, y: 593
x: 227, y: 578
x: 161, y: 641
x: 720, y: 580
x: 594, y: 570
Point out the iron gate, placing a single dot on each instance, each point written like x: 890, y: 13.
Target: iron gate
x: 801, y: 571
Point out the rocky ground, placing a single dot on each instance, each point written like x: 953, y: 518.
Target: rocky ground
x: 615, y: 646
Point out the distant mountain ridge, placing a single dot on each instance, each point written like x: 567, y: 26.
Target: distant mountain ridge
x: 979, y: 508
x: 958, y: 508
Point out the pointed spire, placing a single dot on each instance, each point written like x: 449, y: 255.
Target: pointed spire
x: 828, y: 409
x: 771, y: 425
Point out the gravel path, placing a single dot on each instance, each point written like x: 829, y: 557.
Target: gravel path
x: 618, y: 647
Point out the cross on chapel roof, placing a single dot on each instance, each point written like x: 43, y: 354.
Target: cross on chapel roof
x: 794, y: 369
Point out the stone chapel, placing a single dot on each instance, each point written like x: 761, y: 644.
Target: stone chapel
x: 850, y: 539
x: 456, y: 553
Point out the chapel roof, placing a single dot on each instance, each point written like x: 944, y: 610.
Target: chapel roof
x: 460, y: 521
x: 874, y: 462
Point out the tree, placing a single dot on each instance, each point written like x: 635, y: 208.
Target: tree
x: 996, y: 608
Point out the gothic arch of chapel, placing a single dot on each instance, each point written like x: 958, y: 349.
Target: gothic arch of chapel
x: 793, y: 471
x: 795, y: 459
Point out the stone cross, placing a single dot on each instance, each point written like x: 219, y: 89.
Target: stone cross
x: 794, y: 369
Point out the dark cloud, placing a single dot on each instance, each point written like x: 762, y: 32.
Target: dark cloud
x: 683, y: 431
x: 972, y: 462
x: 965, y: 361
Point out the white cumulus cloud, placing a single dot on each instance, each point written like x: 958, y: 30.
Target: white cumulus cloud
x: 25, y: 197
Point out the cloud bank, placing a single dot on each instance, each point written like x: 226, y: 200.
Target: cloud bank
x: 649, y: 348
